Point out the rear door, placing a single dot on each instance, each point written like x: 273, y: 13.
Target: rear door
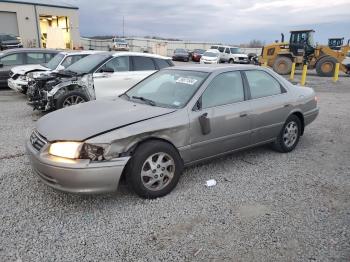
x: 8, y: 62
x: 270, y: 106
x: 225, y: 109
x: 112, y: 84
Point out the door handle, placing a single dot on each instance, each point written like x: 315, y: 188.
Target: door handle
x: 286, y: 105
x: 243, y: 115
x: 127, y: 78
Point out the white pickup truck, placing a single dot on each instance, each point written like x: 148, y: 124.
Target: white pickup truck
x: 230, y: 54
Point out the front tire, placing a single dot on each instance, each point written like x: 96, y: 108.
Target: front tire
x: 326, y: 66
x: 289, y: 136
x: 70, y: 99
x: 283, y: 65
x: 154, y: 169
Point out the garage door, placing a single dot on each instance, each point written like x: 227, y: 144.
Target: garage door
x: 8, y: 23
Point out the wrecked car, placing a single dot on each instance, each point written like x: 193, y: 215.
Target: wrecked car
x: 18, y: 80
x: 174, y: 118
x: 102, y: 75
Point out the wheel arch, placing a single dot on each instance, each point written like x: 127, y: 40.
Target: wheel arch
x: 134, y: 146
x: 300, y: 115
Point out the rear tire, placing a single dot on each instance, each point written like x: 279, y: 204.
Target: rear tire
x: 71, y: 98
x: 326, y: 66
x: 283, y: 65
x: 289, y: 136
x: 154, y: 170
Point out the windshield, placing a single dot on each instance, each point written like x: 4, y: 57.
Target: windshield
x: 180, y: 51
x: 88, y: 64
x: 119, y: 40
x: 55, y: 61
x: 211, y: 54
x: 199, y: 51
x: 168, y: 88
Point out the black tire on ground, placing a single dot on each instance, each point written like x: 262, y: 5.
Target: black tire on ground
x: 283, y: 65
x: 77, y: 96
x: 138, y: 163
x: 326, y: 66
x: 281, y: 144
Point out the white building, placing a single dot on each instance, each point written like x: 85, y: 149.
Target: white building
x: 41, y: 23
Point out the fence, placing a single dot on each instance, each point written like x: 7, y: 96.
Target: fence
x: 161, y: 47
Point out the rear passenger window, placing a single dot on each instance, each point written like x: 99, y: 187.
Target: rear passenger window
x: 161, y: 63
x: 35, y: 58
x: 143, y: 63
x: 226, y: 88
x: 262, y: 84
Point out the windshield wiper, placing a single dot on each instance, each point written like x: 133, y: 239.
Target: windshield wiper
x: 148, y: 101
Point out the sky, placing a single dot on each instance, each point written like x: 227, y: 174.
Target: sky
x: 225, y: 21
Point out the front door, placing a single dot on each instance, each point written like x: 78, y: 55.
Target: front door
x: 222, y: 122
x: 113, y: 78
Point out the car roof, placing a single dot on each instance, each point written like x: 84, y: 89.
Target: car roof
x: 213, y: 51
x: 81, y: 52
x: 25, y: 50
x: 213, y: 68
x: 139, y: 54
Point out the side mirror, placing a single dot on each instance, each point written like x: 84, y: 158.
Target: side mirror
x: 204, y: 122
x: 108, y: 70
x: 1, y: 65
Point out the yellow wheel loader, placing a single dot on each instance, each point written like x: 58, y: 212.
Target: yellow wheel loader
x: 301, y: 49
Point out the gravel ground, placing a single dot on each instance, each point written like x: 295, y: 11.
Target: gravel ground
x: 266, y: 206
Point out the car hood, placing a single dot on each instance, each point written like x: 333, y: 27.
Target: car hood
x: 83, y: 121
x: 209, y: 58
x: 22, y: 70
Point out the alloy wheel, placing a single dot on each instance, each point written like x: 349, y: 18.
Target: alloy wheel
x: 290, y: 134
x: 73, y: 100
x: 157, y: 171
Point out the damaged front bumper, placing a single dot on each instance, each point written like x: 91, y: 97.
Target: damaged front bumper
x: 76, y: 175
x: 17, y: 85
x: 43, y: 96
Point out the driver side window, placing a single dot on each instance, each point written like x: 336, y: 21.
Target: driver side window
x: 226, y: 88
x: 117, y: 64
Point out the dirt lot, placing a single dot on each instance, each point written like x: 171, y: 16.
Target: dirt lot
x: 266, y: 206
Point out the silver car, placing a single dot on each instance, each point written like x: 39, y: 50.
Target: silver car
x: 174, y: 118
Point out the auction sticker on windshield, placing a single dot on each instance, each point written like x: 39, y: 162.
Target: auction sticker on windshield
x: 187, y: 81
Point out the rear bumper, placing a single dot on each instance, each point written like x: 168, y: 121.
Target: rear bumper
x: 76, y: 176
x: 17, y: 85
x: 310, y: 116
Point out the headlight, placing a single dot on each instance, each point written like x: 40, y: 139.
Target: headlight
x: 23, y: 78
x: 93, y: 152
x: 66, y: 149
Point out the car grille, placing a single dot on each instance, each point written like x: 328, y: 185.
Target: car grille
x: 242, y: 58
x: 37, y: 141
